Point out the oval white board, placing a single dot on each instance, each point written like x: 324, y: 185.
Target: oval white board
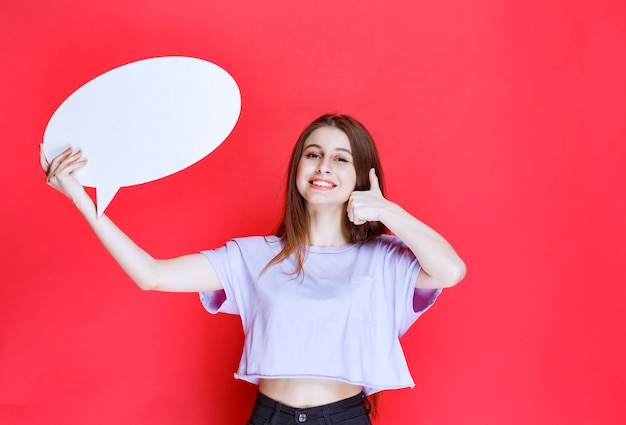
x: 144, y: 121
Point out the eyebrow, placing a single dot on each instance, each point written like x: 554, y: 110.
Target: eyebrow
x: 313, y: 145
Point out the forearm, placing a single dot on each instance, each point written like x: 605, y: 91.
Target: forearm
x: 188, y: 273
x: 138, y: 264
x: 436, y: 256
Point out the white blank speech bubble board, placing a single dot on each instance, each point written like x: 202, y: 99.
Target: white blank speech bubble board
x: 144, y: 121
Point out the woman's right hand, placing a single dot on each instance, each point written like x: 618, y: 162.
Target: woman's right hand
x: 60, y: 172
x: 189, y: 273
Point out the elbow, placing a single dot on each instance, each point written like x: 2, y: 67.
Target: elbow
x: 146, y: 285
x: 457, y: 273
x: 447, y: 277
x: 148, y: 278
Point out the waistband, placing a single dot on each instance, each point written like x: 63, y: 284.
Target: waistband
x: 270, y: 409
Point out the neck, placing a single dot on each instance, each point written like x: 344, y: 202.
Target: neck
x: 326, y: 228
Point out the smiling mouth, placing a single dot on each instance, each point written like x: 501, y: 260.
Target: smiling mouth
x: 321, y: 183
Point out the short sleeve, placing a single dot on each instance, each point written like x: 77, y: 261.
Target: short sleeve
x: 239, y: 265
x: 217, y: 302
x: 402, y: 265
x: 223, y: 300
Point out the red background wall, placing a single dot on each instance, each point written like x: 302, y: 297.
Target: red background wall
x: 501, y: 124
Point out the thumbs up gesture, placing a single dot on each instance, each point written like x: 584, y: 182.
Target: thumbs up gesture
x: 367, y: 205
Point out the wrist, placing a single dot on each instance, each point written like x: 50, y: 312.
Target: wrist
x: 83, y: 202
x: 388, y: 212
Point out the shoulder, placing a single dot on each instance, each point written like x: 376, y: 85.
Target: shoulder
x: 386, y: 243
x: 248, y: 245
x: 252, y: 252
x: 389, y: 247
x: 255, y: 245
x: 256, y: 241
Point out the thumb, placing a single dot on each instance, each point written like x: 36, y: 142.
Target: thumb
x: 42, y: 159
x: 374, y: 183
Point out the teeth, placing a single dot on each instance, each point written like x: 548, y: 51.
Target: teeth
x: 321, y: 183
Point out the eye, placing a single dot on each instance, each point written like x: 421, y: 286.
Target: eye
x: 312, y: 155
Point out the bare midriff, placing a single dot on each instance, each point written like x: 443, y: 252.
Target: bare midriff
x: 303, y: 393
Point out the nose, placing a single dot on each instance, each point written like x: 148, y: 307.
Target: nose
x: 324, y: 166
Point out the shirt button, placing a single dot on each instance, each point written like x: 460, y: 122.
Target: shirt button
x: 302, y: 417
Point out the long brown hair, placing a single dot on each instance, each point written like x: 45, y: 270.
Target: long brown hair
x: 294, y: 230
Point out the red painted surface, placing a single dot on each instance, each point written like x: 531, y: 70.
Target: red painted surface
x: 501, y: 124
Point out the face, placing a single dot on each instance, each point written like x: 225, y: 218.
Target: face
x: 326, y: 174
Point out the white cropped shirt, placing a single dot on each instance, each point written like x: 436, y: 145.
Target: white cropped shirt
x: 341, y: 319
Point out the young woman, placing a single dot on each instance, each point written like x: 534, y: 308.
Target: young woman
x: 323, y: 302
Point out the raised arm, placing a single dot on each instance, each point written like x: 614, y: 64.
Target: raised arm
x: 441, y: 266
x: 189, y: 273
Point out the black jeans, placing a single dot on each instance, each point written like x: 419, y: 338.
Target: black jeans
x: 351, y: 411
